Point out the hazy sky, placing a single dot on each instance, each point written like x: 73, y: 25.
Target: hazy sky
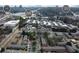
x: 39, y: 2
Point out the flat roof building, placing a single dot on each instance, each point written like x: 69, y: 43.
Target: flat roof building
x: 11, y: 23
x: 54, y: 49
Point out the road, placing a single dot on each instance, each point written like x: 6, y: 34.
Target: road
x: 5, y: 17
x: 8, y: 39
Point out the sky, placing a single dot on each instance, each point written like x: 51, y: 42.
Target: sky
x: 39, y: 2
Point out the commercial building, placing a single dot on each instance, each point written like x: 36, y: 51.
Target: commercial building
x: 11, y: 23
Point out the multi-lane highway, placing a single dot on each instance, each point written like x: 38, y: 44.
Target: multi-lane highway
x: 8, y: 39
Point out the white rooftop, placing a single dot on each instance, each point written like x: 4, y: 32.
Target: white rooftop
x: 44, y: 22
x: 34, y: 21
x: 49, y: 23
x: 11, y: 23
x: 28, y: 21
x: 64, y: 25
x: 55, y: 23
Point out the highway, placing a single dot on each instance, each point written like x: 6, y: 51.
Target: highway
x: 8, y: 39
x: 5, y: 17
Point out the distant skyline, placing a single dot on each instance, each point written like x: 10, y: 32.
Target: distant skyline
x: 39, y: 2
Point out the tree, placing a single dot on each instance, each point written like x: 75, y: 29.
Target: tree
x: 2, y: 50
x: 1, y: 32
x: 46, y: 34
x: 34, y: 45
x: 31, y: 35
x: 22, y: 21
